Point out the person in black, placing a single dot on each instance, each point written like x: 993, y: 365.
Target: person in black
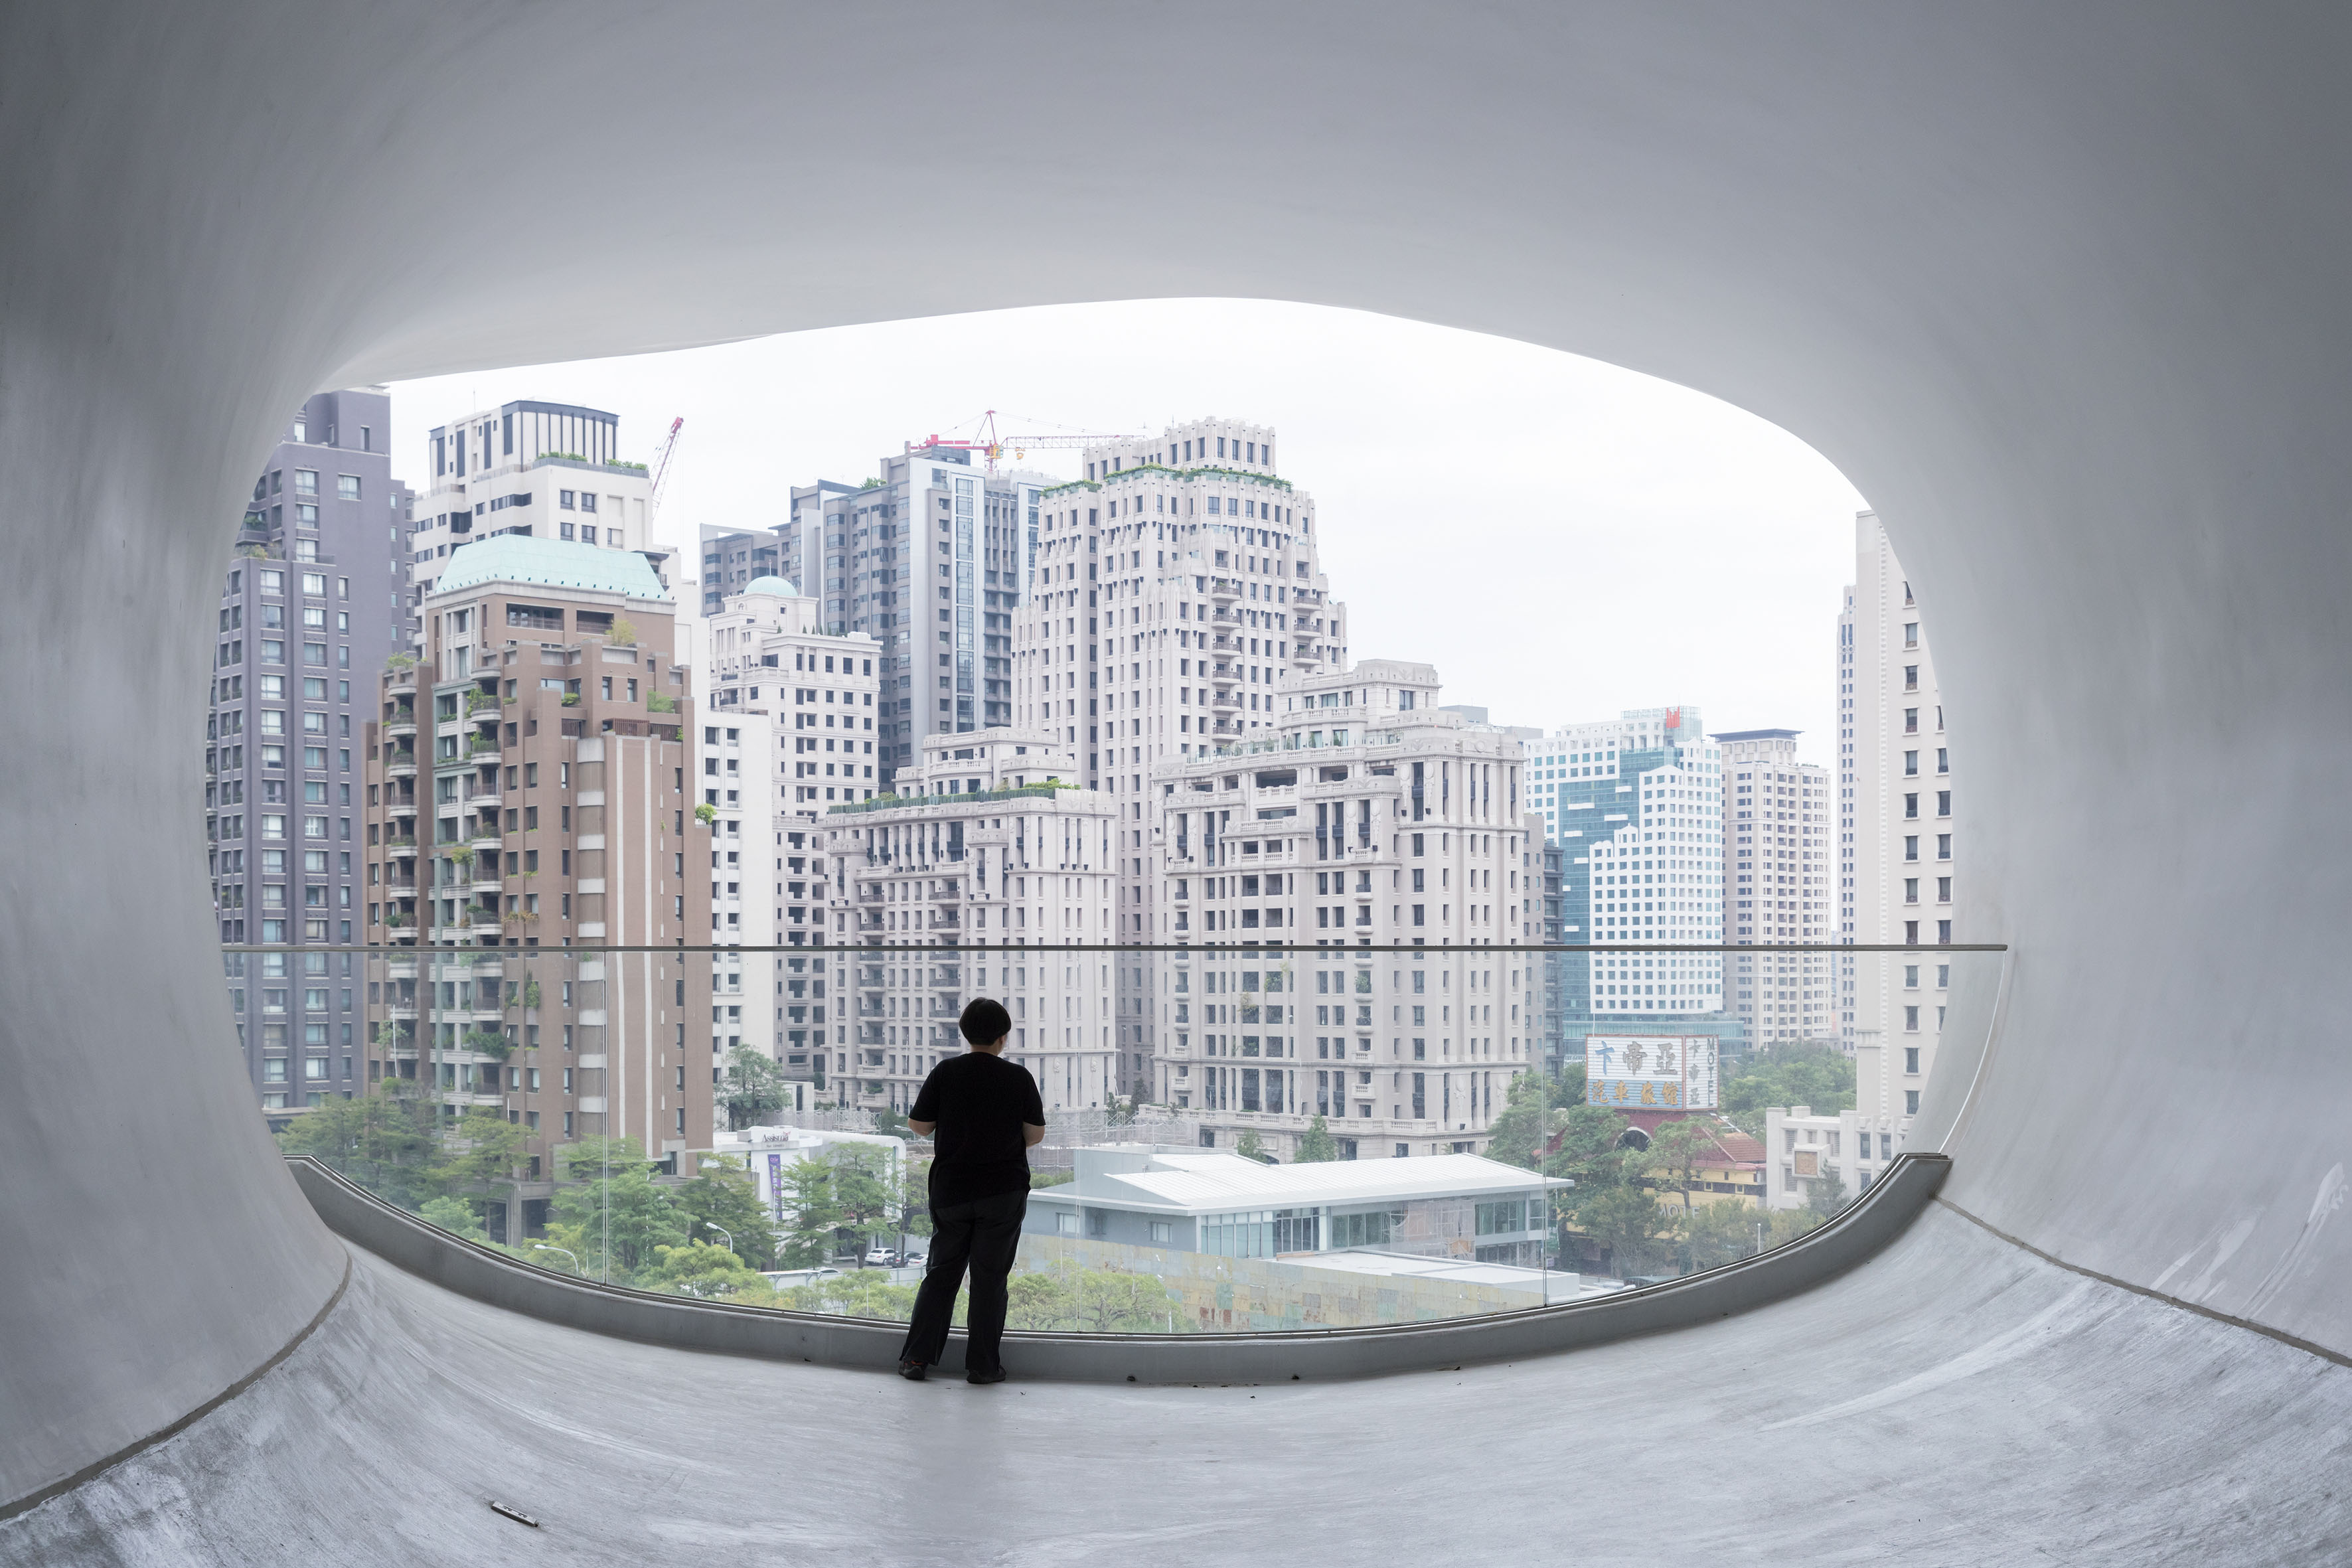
x: 986, y: 1114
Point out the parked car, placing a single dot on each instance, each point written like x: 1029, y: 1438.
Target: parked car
x: 882, y: 1257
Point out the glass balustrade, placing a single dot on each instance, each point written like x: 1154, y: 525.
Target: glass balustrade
x: 1343, y: 1135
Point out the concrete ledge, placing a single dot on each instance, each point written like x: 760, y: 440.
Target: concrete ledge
x: 409, y: 1242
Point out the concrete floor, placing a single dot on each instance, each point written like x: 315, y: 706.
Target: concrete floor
x: 2018, y: 1413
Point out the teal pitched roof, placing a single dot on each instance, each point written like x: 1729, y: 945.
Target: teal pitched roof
x: 771, y: 586
x: 552, y: 562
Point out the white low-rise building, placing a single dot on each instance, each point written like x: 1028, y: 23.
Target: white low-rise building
x: 768, y: 1154
x: 1800, y: 1148
x: 1456, y: 1206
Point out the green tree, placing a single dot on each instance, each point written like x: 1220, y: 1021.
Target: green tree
x: 611, y: 1198
x: 723, y: 1193
x: 1716, y: 1233
x: 1820, y: 1076
x: 915, y: 1195
x: 479, y: 1156
x: 1247, y: 1146
x: 383, y: 1140
x: 865, y: 1293
x: 703, y: 1269
x: 1528, y: 1117
x: 890, y: 1124
x: 862, y: 1193
x: 753, y: 1086
x: 1093, y: 1300
x: 1677, y: 1151
x: 1316, y: 1145
x: 1625, y: 1218
x: 1590, y: 1152
x: 1826, y: 1194
x: 808, y: 1193
x: 458, y: 1217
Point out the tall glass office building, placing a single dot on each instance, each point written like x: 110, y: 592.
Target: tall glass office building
x: 1634, y: 807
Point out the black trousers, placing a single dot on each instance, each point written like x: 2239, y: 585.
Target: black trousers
x: 984, y: 1234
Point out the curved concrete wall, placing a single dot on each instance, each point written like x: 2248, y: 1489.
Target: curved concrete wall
x: 2060, y: 291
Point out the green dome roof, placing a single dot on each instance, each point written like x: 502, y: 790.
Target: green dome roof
x: 553, y: 563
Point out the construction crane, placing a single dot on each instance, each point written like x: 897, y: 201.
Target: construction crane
x: 661, y: 469
x: 992, y: 445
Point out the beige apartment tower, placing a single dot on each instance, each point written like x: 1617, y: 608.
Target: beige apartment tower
x: 987, y: 849
x: 1173, y: 591
x: 1363, y: 817
x: 789, y: 733
x: 1897, y: 844
x: 1777, y: 874
x: 528, y: 794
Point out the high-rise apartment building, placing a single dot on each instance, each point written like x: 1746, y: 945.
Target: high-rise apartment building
x: 988, y: 848
x: 1173, y: 591
x: 528, y: 790
x: 930, y: 559
x: 731, y: 560
x: 312, y: 603
x: 1634, y: 804
x: 1359, y: 816
x: 1897, y: 852
x: 1776, y: 876
x: 789, y: 733
x: 545, y: 470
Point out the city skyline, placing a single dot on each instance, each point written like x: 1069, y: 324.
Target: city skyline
x: 1669, y: 495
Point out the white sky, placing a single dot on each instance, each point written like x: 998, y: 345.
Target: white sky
x: 1562, y: 538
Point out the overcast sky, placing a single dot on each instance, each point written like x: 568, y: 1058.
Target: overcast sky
x: 1563, y: 539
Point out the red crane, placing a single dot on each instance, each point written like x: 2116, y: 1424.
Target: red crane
x: 991, y: 443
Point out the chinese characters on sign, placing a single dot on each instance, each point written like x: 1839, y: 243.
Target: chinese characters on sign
x: 1654, y: 1072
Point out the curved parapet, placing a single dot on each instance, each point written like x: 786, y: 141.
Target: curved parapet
x: 1874, y: 1220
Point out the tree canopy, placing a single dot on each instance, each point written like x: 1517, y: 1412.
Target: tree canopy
x: 723, y: 1193
x: 1316, y: 1145
x: 753, y: 1086
x: 1820, y: 1076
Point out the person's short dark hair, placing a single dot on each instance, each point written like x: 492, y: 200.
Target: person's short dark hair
x: 984, y: 1021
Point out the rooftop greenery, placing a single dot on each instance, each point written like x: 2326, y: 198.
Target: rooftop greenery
x: 1180, y: 475
x: 896, y: 802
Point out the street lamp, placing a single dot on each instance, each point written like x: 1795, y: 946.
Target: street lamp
x: 542, y: 1246
x: 722, y: 1230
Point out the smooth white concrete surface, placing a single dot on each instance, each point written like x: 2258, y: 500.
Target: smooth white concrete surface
x: 2027, y: 1416
x: 2059, y: 288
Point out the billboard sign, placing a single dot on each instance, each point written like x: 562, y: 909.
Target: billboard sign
x: 1651, y: 1072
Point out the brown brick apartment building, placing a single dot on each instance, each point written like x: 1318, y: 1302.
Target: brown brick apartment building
x: 529, y: 796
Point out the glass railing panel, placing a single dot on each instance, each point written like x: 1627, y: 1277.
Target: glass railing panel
x: 1336, y: 1144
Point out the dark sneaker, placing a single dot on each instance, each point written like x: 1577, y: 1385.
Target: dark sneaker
x: 912, y: 1371
x: 996, y: 1376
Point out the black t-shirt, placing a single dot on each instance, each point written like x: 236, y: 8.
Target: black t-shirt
x: 979, y: 1102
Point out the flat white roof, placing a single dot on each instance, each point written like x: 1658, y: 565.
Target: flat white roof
x: 1211, y: 1182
